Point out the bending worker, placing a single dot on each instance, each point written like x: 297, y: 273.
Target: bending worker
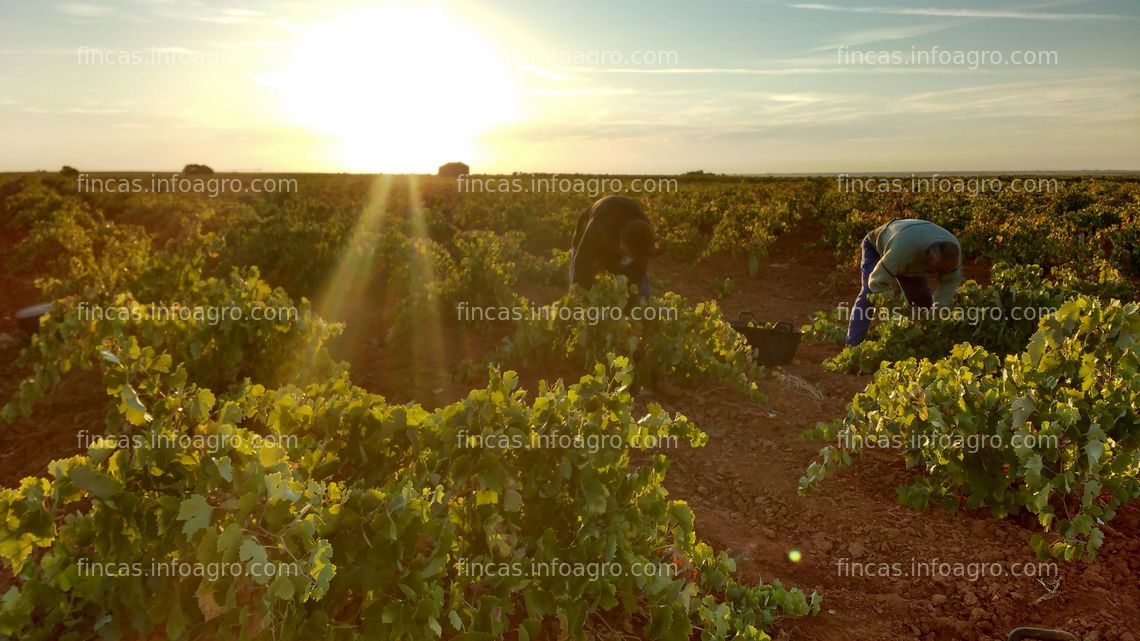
x: 911, y: 252
x: 614, y: 235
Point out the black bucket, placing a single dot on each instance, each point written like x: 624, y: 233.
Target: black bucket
x: 28, y: 318
x: 775, y: 345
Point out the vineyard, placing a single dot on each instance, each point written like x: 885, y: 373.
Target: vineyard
x: 354, y: 447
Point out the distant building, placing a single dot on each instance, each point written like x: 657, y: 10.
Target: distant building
x: 454, y: 170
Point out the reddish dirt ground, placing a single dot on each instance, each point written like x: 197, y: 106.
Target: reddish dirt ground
x: 742, y: 485
x: 27, y: 446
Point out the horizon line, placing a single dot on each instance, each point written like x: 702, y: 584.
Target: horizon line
x: 865, y: 173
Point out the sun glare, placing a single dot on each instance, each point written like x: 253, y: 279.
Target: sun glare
x: 400, y: 89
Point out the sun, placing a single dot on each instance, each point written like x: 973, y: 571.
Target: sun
x: 400, y: 90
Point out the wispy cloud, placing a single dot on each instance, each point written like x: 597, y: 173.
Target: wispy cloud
x: 84, y: 111
x: 860, y: 38
x: 202, y: 12
x: 1089, y: 98
x: 785, y: 71
x: 38, y: 52
x: 715, y: 71
x: 544, y: 73
x: 83, y: 9
x: 234, y: 16
x: 596, y: 92
x: 1014, y: 14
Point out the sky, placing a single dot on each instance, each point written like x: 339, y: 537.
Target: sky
x: 664, y: 86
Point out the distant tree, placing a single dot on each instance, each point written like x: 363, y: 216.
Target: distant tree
x: 197, y: 169
x: 698, y: 172
x: 454, y: 169
x: 68, y: 170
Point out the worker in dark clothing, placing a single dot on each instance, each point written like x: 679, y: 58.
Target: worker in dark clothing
x: 909, y: 251
x: 615, y: 236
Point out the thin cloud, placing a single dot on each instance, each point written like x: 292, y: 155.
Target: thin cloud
x: 38, y: 52
x: 84, y: 111
x: 593, y: 93
x: 1096, y: 97
x: 961, y: 13
x: 234, y: 16
x: 859, y: 38
x: 789, y: 71
x: 83, y: 9
x: 544, y: 73
x: 717, y: 71
x: 200, y: 12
